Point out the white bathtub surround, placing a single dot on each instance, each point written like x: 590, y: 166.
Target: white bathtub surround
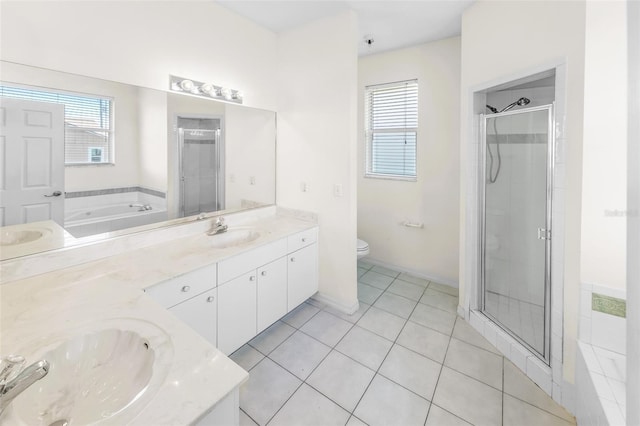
x: 601, y: 365
x: 111, y: 211
x: 43, y: 304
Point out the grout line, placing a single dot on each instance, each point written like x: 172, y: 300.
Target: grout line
x: 246, y: 414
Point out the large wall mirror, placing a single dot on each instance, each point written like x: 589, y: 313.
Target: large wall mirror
x: 86, y: 159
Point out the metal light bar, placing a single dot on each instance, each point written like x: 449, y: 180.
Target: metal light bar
x: 205, y: 90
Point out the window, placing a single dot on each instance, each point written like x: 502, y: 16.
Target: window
x: 96, y: 155
x: 87, y: 122
x: 391, y: 114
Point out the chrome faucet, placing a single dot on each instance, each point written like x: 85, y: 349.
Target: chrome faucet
x: 141, y: 207
x: 218, y: 227
x: 13, y: 380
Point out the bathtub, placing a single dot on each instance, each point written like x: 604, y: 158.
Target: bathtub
x: 111, y: 217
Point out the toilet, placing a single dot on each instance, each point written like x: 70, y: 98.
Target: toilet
x: 363, y: 249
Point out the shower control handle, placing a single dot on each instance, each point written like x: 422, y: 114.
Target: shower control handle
x: 544, y: 234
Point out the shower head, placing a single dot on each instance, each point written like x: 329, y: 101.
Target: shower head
x: 519, y: 102
x: 492, y: 109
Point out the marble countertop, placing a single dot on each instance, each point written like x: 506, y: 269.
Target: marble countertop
x: 38, y: 311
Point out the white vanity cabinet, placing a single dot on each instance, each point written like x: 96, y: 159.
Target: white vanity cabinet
x: 192, y: 298
x: 271, y: 293
x: 302, y: 271
x: 236, y: 312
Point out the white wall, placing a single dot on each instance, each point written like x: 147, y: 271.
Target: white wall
x: 250, y: 145
x: 142, y: 42
x: 152, y: 139
x: 604, y: 187
x: 504, y: 39
x: 434, y: 199
x: 317, y: 109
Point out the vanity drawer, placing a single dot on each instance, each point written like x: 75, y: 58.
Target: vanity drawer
x: 302, y: 239
x: 235, y: 266
x: 171, y: 292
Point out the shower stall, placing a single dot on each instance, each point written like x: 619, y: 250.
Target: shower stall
x: 201, y: 164
x: 516, y: 196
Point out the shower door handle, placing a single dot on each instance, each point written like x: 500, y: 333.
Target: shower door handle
x: 544, y: 234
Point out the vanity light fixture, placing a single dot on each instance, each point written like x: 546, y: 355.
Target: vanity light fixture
x: 205, y: 90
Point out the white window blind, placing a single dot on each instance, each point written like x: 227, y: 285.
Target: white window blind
x: 87, y: 120
x: 391, y: 114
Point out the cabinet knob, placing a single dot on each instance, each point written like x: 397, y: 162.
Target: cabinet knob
x: 186, y: 288
x: 210, y: 299
x: 293, y: 259
x: 252, y: 278
x: 264, y: 273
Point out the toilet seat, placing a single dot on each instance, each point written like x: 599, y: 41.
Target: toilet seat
x: 362, y: 246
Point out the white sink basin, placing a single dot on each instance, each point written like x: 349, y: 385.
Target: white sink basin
x: 99, y: 377
x: 11, y: 238
x: 234, y: 237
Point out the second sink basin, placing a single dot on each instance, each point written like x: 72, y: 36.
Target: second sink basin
x: 10, y: 238
x: 234, y: 237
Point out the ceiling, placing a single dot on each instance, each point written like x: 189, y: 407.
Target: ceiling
x: 392, y: 24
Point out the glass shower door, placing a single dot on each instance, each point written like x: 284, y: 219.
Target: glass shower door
x: 517, y: 219
x: 200, y: 152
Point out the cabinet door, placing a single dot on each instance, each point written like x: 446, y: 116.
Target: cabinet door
x: 200, y: 313
x: 236, y: 312
x: 303, y: 275
x: 272, y: 293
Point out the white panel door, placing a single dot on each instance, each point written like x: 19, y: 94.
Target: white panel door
x: 236, y: 312
x: 272, y: 293
x: 302, y: 275
x: 32, y: 160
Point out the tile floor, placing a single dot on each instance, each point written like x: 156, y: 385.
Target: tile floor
x: 404, y: 358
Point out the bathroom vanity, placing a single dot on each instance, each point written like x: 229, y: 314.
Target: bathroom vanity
x: 192, y: 299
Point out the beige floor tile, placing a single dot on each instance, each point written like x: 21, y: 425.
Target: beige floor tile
x: 465, y: 332
x: 424, y: 340
x: 300, y: 354
x: 267, y: 389
x: 308, y: 407
x: 435, y: 318
x: 440, y: 300
x: 368, y: 294
x: 270, y: 338
x: 382, y: 323
x: 246, y: 357
x: 408, y: 290
x: 387, y: 403
x: 519, y: 413
x: 246, y: 420
x: 366, y: 347
x: 517, y: 384
x: 475, y: 362
x: 440, y: 417
x: 397, y: 305
x: 468, y: 398
x: 341, y: 379
x: 411, y: 370
x: 376, y: 279
x: 300, y: 315
x: 327, y: 328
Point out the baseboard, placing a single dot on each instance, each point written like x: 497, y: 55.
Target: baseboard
x: 426, y: 276
x: 330, y: 301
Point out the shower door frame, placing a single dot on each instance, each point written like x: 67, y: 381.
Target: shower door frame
x: 550, y: 169
x: 179, y: 182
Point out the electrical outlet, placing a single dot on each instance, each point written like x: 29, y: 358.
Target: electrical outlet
x: 304, y: 187
x: 252, y: 180
x: 337, y: 190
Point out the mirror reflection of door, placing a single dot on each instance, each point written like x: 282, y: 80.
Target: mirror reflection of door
x: 32, y: 160
x: 201, y: 175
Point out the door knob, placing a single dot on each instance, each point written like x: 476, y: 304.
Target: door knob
x: 55, y: 194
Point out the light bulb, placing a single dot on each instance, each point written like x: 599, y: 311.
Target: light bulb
x: 208, y: 89
x: 187, y: 85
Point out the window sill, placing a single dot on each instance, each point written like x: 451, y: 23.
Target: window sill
x: 391, y: 177
x: 90, y: 165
